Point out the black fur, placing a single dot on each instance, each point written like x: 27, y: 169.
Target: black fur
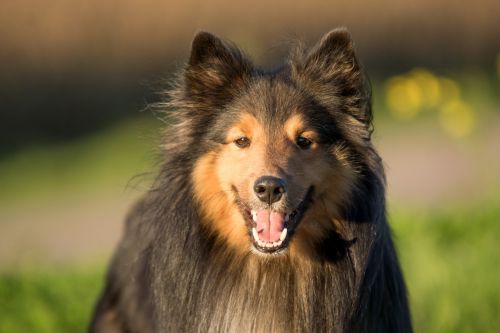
x: 169, y: 274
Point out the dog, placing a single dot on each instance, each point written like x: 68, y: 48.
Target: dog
x: 268, y: 212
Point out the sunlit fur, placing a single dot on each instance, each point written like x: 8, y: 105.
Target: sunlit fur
x: 186, y: 262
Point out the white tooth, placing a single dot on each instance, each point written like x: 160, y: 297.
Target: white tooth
x: 254, y: 215
x: 269, y: 245
x: 283, y: 234
x: 254, y: 233
x: 261, y: 243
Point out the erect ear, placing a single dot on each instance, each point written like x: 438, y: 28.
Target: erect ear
x: 206, y: 47
x: 216, y: 70
x: 332, y: 74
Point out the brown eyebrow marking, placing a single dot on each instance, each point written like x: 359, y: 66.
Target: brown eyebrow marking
x: 247, y: 126
x: 296, y: 125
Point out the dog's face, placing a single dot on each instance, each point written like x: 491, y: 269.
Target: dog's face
x: 279, y: 165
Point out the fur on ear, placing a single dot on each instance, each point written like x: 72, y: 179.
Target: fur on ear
x: 330, y: 71
x: 216, y: 70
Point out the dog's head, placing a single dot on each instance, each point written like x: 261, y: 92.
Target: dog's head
x: 279, y: 151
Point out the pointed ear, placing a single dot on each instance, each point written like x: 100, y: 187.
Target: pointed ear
x: 335, y: 48
x: 204, y: 47
x: 331, y: 72
x: 216, y: 70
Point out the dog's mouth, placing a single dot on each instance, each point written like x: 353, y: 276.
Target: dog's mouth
x: 271, y: 231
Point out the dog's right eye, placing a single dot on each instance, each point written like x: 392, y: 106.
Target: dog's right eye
x: 242, y: 142
x: 303, y: 143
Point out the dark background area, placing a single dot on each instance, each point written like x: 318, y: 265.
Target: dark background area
x: 72, y: 67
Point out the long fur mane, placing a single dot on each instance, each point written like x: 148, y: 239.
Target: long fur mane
x: 170, y: 274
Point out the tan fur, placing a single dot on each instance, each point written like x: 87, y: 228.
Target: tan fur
x: 218, y: 172
x: 295, y: 125
x: 217, y: 204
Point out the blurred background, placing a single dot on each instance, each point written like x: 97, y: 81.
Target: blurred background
x: 78, y: 138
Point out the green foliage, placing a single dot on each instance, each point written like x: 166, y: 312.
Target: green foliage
x: 53, y: 300
x: 451, y: 264
x: 94, y: 163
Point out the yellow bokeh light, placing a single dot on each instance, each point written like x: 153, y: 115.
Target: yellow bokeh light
x: 457, y: 118
x: 429, y: 86
x: 409, y: 94
x: 403, y: 97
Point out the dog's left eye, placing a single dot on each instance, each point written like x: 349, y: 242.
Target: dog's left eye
x: 242, y: 142
x: 303, y: 143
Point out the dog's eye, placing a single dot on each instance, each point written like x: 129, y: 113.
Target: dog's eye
x: 303, y: 143
x: 242, y: 142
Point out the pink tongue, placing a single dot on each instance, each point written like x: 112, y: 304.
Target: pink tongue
x: 270, y: 225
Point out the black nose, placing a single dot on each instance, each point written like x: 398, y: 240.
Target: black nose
x: 269, y: 189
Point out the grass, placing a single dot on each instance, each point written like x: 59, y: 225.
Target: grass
x: 53, y: 300
x: 450, y: 259
x: 98, y: 161
x: 451, y: 264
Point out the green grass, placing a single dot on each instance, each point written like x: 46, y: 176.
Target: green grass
x: 450, y: 259
x: 54, y: 300
x: 452, y: 267
x: 98, y: 161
